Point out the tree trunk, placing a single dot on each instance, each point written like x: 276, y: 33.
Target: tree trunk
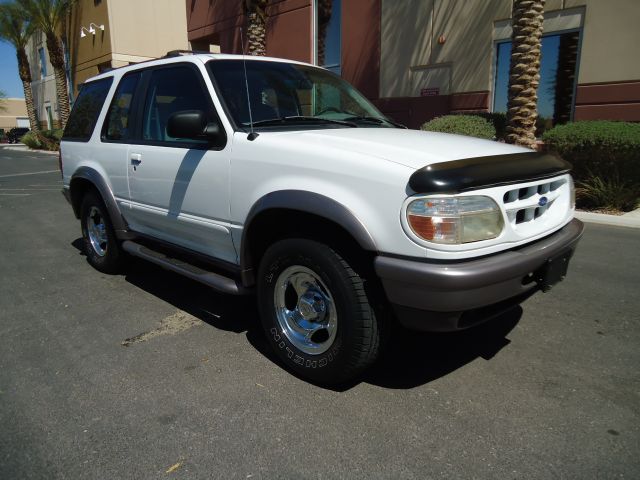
x: 256, y: 33
x: 257, y: 27
x: 25, y: 75
x: 524, y: 72
x: 56, y: 55
x: 324, y: 17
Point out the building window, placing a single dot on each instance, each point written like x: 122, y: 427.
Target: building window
x: 43, y: 62
x: 557, y: 78
x: 49, y: 117
x: 105, y: 67
x: 328, y: 37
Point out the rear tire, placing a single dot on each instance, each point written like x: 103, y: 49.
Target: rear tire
x: 100, y: 243
x: 315, y: 311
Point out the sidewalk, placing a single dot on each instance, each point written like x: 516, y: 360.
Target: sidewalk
x: 629, y: 219
x: 23, y: 148
x: 13, y: 146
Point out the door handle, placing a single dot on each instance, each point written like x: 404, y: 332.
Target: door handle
x: 136, y: 159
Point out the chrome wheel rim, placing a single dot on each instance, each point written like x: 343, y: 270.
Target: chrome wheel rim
x: 97, y: 232
x: 305, y: 310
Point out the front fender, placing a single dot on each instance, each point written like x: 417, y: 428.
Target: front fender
x: 308, y: 202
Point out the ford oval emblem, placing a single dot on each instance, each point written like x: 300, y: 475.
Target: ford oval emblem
x: 543, y: 201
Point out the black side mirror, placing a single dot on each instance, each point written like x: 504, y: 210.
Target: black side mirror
x: 193, y: 124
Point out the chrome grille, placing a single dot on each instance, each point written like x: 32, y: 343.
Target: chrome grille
x: 523, y: 205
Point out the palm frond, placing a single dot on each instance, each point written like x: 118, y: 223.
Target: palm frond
x: 15, y: 26
x: 47, y: 15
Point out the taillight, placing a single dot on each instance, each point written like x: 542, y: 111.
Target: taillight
x: 60, y: 161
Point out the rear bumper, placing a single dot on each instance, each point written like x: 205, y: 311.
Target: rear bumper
x: 454, y: 296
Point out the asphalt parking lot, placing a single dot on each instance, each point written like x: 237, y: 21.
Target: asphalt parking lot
x: 149, y: 375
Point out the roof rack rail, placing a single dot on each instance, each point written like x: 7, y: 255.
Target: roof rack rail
x: 179, y: 53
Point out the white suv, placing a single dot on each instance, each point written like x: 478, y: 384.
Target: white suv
x: 274, y: 176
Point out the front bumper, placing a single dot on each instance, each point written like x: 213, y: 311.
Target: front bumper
x: 453, y: 296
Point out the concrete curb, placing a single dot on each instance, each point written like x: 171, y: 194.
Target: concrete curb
x: 46, y: 152
x: 13, y: 146
x: 631, y: 219
x: 21, y: 147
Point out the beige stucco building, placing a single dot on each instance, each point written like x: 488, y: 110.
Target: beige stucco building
x: 459, y: 49
x: 105, y: 34
x: 108, y: 34
x: 13, y: 113
x: 43, y: 82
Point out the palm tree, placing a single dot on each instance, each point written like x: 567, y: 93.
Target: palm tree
x: 16, y: 29
x: 325, y: 8
x: 524, y: 72
x: 256, y: 12
x: 48, y: 16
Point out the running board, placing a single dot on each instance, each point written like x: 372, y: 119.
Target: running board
x: 214, y: 280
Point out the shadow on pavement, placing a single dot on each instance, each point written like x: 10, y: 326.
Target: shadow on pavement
x: 415, y: 358
x: 411, y: 358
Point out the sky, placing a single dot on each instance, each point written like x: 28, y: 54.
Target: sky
x: 9, y: 80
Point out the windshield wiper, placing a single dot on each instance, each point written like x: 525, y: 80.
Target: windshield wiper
x: 299, y: 118
x: 377, y: 120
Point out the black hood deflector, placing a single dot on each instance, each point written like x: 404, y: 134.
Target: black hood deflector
x: 483, y: 172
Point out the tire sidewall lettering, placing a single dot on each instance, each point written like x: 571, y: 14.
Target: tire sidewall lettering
x: 299, y: 358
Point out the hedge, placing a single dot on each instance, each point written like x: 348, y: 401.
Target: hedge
x: 497, y: 119
x: 470, y: 125
x: 598, y: 148
x: 50, y: 140
x: 606, y: 161
x: 31, y: 140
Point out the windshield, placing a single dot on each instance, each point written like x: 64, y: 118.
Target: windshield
x: 285, y: 94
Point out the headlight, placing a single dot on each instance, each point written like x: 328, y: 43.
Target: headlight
x: 572, y: 193
x: 455, y: 220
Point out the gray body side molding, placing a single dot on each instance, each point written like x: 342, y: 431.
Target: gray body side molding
x: 92, y: 176
x: 308, y: 202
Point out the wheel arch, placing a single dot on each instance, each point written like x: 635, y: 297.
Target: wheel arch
x: 305, y: 213
x: 86, y: 178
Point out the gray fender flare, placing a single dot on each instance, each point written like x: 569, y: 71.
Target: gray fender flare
x: 93, y: 177
x: 302, y: 201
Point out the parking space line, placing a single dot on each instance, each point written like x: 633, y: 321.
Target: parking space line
x: 30, y: 173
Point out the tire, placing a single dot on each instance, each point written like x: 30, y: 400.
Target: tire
x: 100, y: 243
x: 315, y: 311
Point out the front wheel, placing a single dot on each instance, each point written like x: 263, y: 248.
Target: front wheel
x: 100, y: 243
x: 315, y: 311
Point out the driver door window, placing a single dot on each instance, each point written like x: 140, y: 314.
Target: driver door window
x: 173, y: 90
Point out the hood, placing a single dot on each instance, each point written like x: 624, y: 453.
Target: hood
x: 412, y: 148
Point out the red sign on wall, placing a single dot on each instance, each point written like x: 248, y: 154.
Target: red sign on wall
x: 429, y: 92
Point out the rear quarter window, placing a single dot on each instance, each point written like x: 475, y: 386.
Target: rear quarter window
x: 86, y: 110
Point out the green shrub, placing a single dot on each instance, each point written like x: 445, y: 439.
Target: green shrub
x: 53, y: 135
x: 47, y: 140
x: 497, y: 119
x: 598, y: 148
x: 470, y: 125
x: 31, y: 140
x: 606, y: 161
x: 609, y: 193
